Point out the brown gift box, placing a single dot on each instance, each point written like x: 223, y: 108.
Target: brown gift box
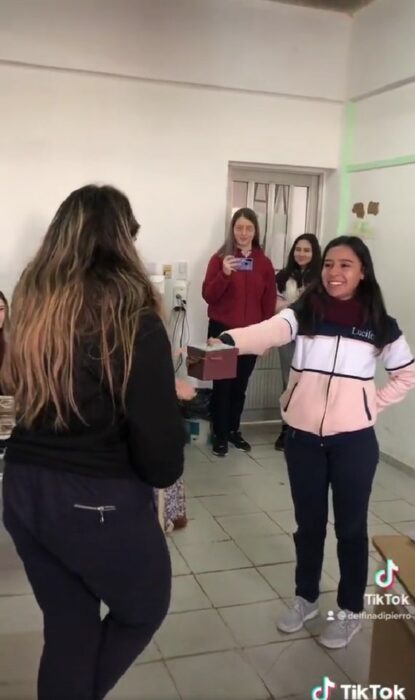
x: 212, y: 362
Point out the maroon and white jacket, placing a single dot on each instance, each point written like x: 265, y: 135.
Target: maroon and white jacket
x: 331, y: 388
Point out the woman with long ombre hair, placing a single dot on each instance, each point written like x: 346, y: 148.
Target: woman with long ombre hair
x: 89, y: 364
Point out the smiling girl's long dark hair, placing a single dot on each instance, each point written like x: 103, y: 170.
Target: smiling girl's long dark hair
x: 309, y: 308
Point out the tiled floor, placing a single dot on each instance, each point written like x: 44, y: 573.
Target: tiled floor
x: 233, y: 575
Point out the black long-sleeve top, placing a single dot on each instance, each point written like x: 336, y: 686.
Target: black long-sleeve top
x: 146, y: 439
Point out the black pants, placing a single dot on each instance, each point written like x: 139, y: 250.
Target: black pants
x: 347, y: 462
x: 74, y: 561
x: 228, y: 395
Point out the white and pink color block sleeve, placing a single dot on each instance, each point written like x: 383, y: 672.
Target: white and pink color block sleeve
x: 257, y: 339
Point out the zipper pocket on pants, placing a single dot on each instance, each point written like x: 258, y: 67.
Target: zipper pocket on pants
x: 98, y: 509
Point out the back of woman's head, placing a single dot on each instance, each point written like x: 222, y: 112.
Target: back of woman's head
x: 85, y: 283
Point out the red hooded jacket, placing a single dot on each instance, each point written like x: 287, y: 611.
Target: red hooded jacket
x: 243, y: 297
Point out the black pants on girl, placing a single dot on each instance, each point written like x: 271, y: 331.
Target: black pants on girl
x: 76, y: 556
x: 228, y: 395
x: 346, y: 462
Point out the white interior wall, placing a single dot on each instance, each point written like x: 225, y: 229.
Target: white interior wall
x: 383, y: 60
x: 330, y: 209
x: 240, y: 44
x: 393, y: 250
x: 156, y: 97
x: 382, y: 46
x: 385, y: 125
x: 166, y: 146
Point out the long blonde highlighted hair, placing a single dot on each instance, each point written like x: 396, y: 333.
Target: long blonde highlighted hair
x: 85, y: 283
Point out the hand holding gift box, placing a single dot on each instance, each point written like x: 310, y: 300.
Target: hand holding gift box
x: 212, y: 361
x: 184, y: 390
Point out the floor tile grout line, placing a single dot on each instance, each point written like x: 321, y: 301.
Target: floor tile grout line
x: 245, y: 660
x: 179, y: 695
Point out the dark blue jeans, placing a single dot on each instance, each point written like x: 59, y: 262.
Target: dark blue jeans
x: 346, y: 462
x: 77, y: 555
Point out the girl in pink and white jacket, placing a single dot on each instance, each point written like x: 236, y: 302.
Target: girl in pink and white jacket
x: 341, y: 329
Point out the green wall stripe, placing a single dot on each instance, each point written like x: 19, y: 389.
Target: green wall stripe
x: 380, y: 164
x: 345, y: 160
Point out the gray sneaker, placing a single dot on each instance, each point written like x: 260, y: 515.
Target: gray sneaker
x: 338, y: 633
x: 301, y: 611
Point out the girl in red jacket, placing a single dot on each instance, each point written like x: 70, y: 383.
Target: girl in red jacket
x: 239, y: 288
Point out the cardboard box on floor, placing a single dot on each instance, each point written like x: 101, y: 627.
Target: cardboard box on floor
x: 393, y: 642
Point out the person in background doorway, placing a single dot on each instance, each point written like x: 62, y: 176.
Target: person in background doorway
x: 98, y: 426
x: 239, y: 289
x: 341, y: 329
x: 303, y: 267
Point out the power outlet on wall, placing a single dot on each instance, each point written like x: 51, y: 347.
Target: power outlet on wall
x: 179, y: 294
x: 181, y: 270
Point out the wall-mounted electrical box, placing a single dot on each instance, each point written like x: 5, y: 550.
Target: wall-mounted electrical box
x: 171, y: 281
x: 179, y: 294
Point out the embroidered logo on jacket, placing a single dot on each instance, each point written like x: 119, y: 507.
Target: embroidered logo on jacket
x: 361, y: 333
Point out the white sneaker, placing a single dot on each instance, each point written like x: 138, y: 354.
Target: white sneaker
x: 338, y: 634
x: 300, y: 611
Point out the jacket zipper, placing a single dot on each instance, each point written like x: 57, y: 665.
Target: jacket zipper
x: 291, y: 395
x: 365, y: 401
x: 328, y: 386
x: 98, y: 509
